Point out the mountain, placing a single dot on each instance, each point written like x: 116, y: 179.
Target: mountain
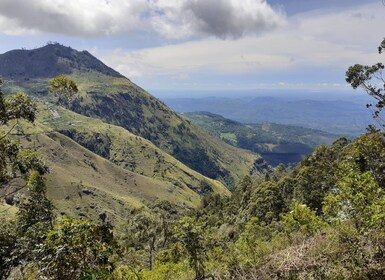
x: 107, y: 95
x: 276, y: 143
x: 97, y: 166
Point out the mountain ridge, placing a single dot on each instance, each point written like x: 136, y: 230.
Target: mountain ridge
x: 277, y: 143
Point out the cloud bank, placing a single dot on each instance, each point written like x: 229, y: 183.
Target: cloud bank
x: 175, y: 19
x: 314, y: 46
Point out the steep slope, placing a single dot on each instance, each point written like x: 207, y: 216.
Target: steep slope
x: 81, y: 183
x: 275, y: 142
x: 107, y: 95
x: 126, y: 150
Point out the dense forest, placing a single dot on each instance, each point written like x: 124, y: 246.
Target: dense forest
x: 323, y: 219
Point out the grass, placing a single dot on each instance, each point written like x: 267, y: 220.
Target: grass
x: 127, y: 150
x: 118, y: 101
x: 81, y: 183
x: 231, y: 137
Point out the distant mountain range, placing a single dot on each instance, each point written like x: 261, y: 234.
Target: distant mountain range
x: 277, y: 143
x: 344, y: 116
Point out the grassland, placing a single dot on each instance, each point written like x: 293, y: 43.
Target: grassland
x: 81, y: 183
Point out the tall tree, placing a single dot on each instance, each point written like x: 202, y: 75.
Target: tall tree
x: 191, y: 234
x: 371, y: 79
x: 12, y: 162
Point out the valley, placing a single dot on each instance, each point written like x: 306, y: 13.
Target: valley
x: 114, y: 184
x: 276, y: 143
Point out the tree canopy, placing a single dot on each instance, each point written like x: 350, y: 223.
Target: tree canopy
x: 63, y: 87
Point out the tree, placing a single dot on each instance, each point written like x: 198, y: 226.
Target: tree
x: 190, y: 233
x: 74, y: 249
x: 371, y: 79
x: 143, y: 233
x: 63, y: 87
x: 36, y: 208
x: 16, y: 240
x: 14, y: 164
x: 358, y: 199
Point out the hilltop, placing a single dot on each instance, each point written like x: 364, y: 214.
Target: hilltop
x: 48, y: 62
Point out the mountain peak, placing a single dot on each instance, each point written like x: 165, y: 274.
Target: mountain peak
x: 49, y: 61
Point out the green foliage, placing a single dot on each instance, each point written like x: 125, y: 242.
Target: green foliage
x: 256, y: 242
x: 8, y: 240
x: 63, y: 87
x: 303, y: 220
x: 12, y: 108
x: 168, y: 271
x: 28, y: 160
x: 263, y: 201
x: 20, y: 106
x: 358, y: 199
x: 36, y: 208
x: 34, y: 218
x: 191, y: 234
x: 75, y: 248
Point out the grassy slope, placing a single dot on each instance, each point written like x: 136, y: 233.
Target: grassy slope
x: 126, y: 149
x: 114, y: 190
x: 118, y: 101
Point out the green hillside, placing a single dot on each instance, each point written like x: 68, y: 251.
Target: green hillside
x: 106, y: 95
x: 277, y: 143
x: 84, y: 184
x: 126, y: 150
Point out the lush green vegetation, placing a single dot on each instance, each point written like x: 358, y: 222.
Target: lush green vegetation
x: 323, y: 219
x: 276, y: 143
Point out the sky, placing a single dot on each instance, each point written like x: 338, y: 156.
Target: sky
x: 208, y: 45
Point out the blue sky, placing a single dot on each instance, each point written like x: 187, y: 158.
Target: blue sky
x: 208, y: 44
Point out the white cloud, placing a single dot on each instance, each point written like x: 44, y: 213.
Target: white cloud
x: 169, y: 18
x: 329, y: 41
x: 71, y: 17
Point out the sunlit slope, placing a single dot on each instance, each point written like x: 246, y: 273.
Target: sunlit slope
x: 126, y: 150
x: 81, y: 183
x: 107, y: 95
